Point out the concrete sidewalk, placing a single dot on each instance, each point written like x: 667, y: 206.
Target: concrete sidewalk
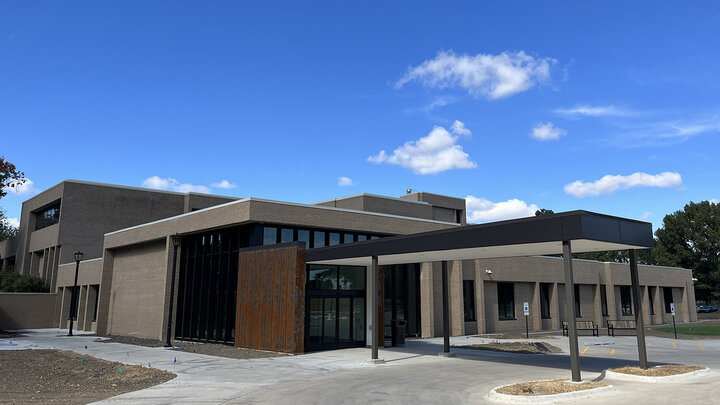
x: 412, y: 374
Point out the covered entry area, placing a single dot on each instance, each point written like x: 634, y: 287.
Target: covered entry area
x: 563, y: 233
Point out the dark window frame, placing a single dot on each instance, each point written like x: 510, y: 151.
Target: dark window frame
x: 578, y: 312
x: 47, y: 216
x: 545, y: 301
x: 603, y: 300
x: 469, y: 300
x: 667, y: 293
x: 626, y: 300
x: 506, y: 301
x: 650, y: 299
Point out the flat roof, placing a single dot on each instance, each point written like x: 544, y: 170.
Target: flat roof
x: 313, y: 206
x: 533, y: 236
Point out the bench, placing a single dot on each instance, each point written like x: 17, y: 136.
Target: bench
x: 582, y: 325
x: 612, y: 325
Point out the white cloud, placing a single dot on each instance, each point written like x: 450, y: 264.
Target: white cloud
x: 12, y: 221
x: 159, y: 183
x: 595, y: 111
x: 715, y: 201
x: 547, y: 132
x: 458, y: 128
x: 26, y: 188
x: 432, y: 154
x: 493, y: 76
x: 344, y: 181
x: 482, y: 210
x: 223, y: 184
x: 609, y: 184
x: 646, y: 215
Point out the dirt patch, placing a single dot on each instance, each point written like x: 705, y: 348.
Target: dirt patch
x: 516, y: 347
x: 659, y: 371
x: 132, y: 340
x: 221, y: 350
x: 6, y: 335
x: 32, y: 376
x: 548, y: 387
x: 518, y: 335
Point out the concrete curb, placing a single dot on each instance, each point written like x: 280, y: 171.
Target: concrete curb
x: 670, y: 378
x: 546, y: 399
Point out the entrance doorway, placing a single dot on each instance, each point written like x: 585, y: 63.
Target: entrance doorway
x: 402, y: 298
x: 335, y: 316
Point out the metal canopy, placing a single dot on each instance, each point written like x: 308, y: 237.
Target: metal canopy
x: 541, y: 235
x: 563, y: 233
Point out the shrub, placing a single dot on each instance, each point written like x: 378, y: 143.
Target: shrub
x: 14, y: 282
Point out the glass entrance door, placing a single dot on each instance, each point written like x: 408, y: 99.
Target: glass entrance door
x: 335, y: 308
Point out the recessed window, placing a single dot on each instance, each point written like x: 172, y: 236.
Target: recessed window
x: 334, y: 238
x: 603, y: 300
x: 48, y: 216
x: 577, y: 301
x: 506, y: 301
x: 625, y: 300
x: 469, y: 300
x: 361, y: 237
x: 545, y: 300
x: 667, y: 294
x: 348, y: 238
x: 650, y: 297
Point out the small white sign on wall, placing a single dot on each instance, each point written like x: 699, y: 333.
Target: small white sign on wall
x: 672, y: 309
x: 526, y: 308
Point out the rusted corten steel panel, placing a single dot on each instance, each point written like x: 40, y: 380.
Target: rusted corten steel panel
x: 271, y: 298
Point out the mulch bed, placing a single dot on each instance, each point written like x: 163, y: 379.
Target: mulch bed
x: 210, y: 349
x: 221, y: 350
x: 32, y: 376
x: 519, y: 335
x: 515, y: 347
x: 7, y: 335
x: 659, y: 371
x: 548, y: 387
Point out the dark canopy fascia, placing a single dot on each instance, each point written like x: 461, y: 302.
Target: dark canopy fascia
x: 542, y: 235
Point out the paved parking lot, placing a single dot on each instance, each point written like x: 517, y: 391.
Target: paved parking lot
x: 413, y: 374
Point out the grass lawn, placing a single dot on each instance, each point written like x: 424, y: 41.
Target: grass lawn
x: 696, y: 330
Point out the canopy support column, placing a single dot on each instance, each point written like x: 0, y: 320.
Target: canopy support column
x: 446, y: 311
x: 637, y: 303
x: 570, y: 311
x: 374, y: 328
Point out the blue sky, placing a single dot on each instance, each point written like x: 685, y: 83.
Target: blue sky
x: 284, y: 100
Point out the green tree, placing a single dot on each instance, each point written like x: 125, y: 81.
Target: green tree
x: 691, y: 239
x: 543, y: 211
x: 10, y: 177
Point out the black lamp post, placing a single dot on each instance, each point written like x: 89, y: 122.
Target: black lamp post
x: 74, y: 298
x: 176, y: 242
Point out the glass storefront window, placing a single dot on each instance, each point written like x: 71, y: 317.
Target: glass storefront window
x: 362, y: 237
x: 323, y: 278
x: 334, y: 239
x: 348, y: 238
x: 352, y: 278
